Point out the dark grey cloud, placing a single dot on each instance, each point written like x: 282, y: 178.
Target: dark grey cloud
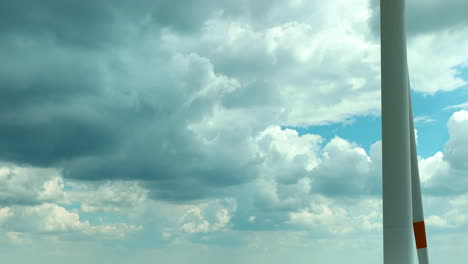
x: 427, y: 16
x: 117, y: 113
x: 151, y: 91
x: 91, y: 23
x: 173, y: 95
x: 47, y: 142
x: 424, y: 16
x: 189, y: 16
x: 49, y: 103
x: 83, y: 23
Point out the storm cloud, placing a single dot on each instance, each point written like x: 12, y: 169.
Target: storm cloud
x: 113, y: 90
x: 140, y: 130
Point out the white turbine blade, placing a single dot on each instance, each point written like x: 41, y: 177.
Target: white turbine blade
x: 396, y: 166
x: 418, y: 214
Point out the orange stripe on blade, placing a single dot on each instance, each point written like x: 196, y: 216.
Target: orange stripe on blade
x: 420, y: 234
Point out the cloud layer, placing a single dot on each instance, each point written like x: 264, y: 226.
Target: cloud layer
x: 163, y: 122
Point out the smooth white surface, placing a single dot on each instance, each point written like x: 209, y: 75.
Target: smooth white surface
x: 396, y: 178
x: 422, y: 256
x: 418, y: 214
x: 417, y: 206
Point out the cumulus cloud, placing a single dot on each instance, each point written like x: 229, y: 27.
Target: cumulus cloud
x: 299, y: 62
x: 30, y: 197
x: 445, y: 172
x: 193, y: 221
x: 30, y: 185
x: 456, y: 148
x: 52, y: 218
x: 423, y: 50
x: 432, y: 28
x: 347, y: 169
x: 335, y: 217
x: 181, y: 109
x: 454, y: 217
x: 298, y: 173
x: 282, y: 183
x: 202, y: 221
x: 171, y: 114
x: 433, y: 166
x: 109, y: 197
x: 5, y: 214
x: 320, y: 216
x: 182, y: 105
x: 18, y: 238
x: 339, y: 172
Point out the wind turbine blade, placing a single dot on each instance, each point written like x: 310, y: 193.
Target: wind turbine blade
x: 418, y: 214
x: 396, y: 165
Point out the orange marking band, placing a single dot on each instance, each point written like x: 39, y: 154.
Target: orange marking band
x: 420, y: 234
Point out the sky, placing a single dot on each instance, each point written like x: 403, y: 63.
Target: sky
x: 231, y: 131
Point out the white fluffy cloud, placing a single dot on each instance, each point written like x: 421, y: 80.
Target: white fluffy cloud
x: 433, y: 62
x: 346, y: 169
x: 5, y: 214
x: 298, y: 184
x: 193, y: 221
x: 109, y: 197
x: 170, y: 116
x: 337, y: 218
x: 178, y: 110
x: 31, y: 197
x: 456, y: 149
x: 435, y: 30
x: 303, y: 65
x: 52, y: 218
x: 30, y: 185
x: 297, y: 171
x: 18, y: 238
x: 445, y: 172
x: 453, y: 216
x: 433, y: 166
x: 320, y: 216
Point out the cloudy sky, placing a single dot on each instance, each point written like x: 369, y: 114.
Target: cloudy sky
x: 234, y: 131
